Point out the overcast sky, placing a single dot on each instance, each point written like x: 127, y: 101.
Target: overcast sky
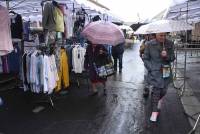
x: 133, y: 10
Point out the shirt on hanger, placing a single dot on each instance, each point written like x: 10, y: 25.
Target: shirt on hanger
x: 78, y: 58
x: 5, y: 41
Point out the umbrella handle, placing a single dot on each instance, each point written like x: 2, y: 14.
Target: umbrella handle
x: 163, y: 45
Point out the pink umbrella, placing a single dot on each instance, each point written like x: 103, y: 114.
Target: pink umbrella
x: 101, y: 32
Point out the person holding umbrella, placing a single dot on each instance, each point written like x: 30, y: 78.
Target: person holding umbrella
x: 95, y: 54
x: 100, y: 32
x: 147, y: 37
x: 158, y: 55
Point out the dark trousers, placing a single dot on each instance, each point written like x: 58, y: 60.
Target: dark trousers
x: 157, y: 94
x: 116, y: 59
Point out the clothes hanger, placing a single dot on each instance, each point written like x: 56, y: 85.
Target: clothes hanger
x: 55, y: 3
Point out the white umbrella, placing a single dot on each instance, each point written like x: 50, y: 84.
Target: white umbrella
x: 142, y: 29
x: 125, y: 27
x: 130, y: 32
x: 163, y: 26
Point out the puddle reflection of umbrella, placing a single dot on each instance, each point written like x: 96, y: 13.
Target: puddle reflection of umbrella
x: 101, y: 32
x: 163, y: 26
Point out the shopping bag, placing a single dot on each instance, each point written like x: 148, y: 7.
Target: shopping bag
x: 109, y: 69
x: 104, y: 70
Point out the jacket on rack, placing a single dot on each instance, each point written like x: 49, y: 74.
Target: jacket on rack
x: 48, y: 17
x: 59, y: 17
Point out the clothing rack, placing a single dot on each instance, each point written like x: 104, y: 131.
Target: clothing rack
x: 49, y: 96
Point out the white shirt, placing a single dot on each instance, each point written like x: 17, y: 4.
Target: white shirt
x: 78, y: 57
x: 45, y: 71
x: 50, y: 74
x: 53, y: 74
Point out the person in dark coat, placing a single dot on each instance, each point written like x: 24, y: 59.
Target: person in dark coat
x: 117, y: 53
x: 147, y: 85
x: 158, y: 55
x: 95, y: 54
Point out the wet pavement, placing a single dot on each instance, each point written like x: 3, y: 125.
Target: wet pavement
x: 122, y: 111
x: 190, y: 98
x: 192, y: 69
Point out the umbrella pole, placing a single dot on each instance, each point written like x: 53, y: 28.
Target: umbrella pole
x: 185, y: 60
x: 195, y: 126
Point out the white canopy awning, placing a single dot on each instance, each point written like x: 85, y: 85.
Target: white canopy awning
x: 189, y: 10
x: 33, y: 7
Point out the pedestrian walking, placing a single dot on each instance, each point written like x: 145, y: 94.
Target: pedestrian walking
x: 95, y: 54
x: 117, y: 53
x: 147, y: 38
x: 158, y: 55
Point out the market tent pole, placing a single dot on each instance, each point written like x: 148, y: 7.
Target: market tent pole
x: 185, y: 60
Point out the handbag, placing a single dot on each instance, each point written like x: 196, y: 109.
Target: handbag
x: 109, y: 69
x: 104, y: 70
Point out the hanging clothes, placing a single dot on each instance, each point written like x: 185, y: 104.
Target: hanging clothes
x: 68, y: 18
x: 24, y: 72
x: 80, y: 22
x: 11, y: 62
x: 1, y: 66
x: 28, y: 62
x: 39, y: 72
x: 69, y: 55
x: 48, y: 17
x: 5, y: 64
x: 39, y: 81
x: 16, y: 26
x: 33, y: 71
x: 5, y: 34
x: 63, y: 71
x: 63, y: 8
x: 52, y: 74
x: 59, y: 17
x: 78, y: 58
x: 26, y: 30
x: 14, y: 59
